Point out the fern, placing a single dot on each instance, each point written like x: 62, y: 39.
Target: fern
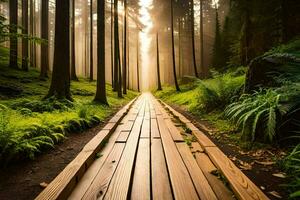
x: 253, y: 111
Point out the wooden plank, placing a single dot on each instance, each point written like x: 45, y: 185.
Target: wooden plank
x: 99, y: 186
x: 242, y: 186
x: 145, y: 133
x: 154, y: 129
x: 123, y: 137
x: 201, y: 184
x: 191, y: 126
x: 181, y: 117
x: 203, y: 139
x: 64, y: 183
x: 141, y: 178
x: 182, y: 184
x: 206, y: 165
x: 127, y: 126
x: 119, y: 186
x: 160, y: 177
x: 110, y: 126
x: 95, y: 167
x: 175, y: 133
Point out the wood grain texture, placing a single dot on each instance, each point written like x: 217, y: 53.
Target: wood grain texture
x: 154, y: 129
x: 145, y: 133
x: 119, y: 186
x: 123, y: 137
x: 203, y: 139
x: 243, y: 187
x: 161, y: 188
x: 99, y: 185
x: 202, y: 186
x: 182, y: 184
x: 175, y: 133
x: 141, y: 177
x: 206, y: 165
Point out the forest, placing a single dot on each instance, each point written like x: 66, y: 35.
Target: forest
x: 68, y: 68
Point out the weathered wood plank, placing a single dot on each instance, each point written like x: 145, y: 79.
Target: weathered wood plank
x: 64, y: 183
x: 182, y: 184
x: 203, y: 139
x: 206, y: 165
x: 160, y: 177
x: 201, y: 184
x: 141, y: 176
x: 154, y: 129
x: 175, y: 133
x: 243, y: 187
x: 100, y: 183
x: 123, y: 137
x: 145, y: 133
x: 119, y: 186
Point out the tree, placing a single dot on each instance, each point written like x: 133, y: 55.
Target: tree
x: 112, y: 43
x: 157, y: 65
x: 13, y: 21
x: 138, y: 62
x: 204, y: 69
x: 217, y: 59
x: 101, y: 89
x: 173, y: 48
x: 125, y: 50
x: 193, y: 39
x: 73, y: 63
x: 91, y: 42
x: 117, y: 63
x: 60, y: 83
x: 25, y: 32
x: 45, y: 36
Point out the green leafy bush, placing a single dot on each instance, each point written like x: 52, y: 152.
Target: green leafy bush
x: 253, y: 112
x: 291, y: 165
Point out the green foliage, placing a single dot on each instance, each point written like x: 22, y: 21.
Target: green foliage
x: 258, y: 110
x: 291, y: 165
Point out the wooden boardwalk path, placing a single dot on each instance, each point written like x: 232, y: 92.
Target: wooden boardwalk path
x: 150, y: 151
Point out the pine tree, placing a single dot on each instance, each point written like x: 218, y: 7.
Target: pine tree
x: 25, y: 32
x: 13, y: 21
x: 45, y: 36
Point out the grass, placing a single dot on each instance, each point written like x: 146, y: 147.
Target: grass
x: 30, y: 125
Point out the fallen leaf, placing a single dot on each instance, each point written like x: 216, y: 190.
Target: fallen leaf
x: 262, y: 187
x: 265, y: 162
x: 275, y: 194
x: 280, y: 175
x: 43, y: 184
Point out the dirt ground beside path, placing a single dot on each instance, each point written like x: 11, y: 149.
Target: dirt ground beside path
x: 21, y: 181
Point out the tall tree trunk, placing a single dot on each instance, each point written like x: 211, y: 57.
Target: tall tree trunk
x: 128, y: 64
x: 117, y: 63
x: 45, y: 36
x: 173, y: 48
x: 157, y: 64
x: 60, y: 83
x: 25, y: 32
x: 179, y: 47
x: 112, y: 42
x: 13, y: 21
x: 34, y: 34
x: 193, y: 40
x: 31, y: 31
x: 204, y: 69
x: 73, y: 63
x: 91, y: 43
x: 101, y: 89
x: 125, y: 50
x: 138, y: 63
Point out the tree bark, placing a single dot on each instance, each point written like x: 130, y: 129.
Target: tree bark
x: 91, y: 43
x: 157, y: 65
x: 60, y: 83
x: 138, y: 63
x: 45, y: 36
x: 31, y: 31
x: 124, y: 78
x: 204, y: 69
x: 173, y: 48
x: 25, y: 32
x: 101, y: 89
x: 179, y: 47
x: 112, y: 43
x: 193, y: 40
x: 73, y: 63
x: 117, y: 63
x: 13, y: 21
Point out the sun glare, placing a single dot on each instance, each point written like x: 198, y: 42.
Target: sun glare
x: 145, y: 40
